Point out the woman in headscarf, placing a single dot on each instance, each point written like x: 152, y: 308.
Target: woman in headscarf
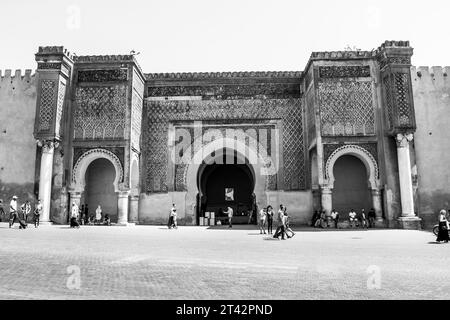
x: 443, y: 228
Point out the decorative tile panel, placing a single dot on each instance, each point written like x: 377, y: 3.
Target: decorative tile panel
x: 346, y: 107
x: 102, y: 75
x: 344, y: 71
x: 100, y: 112
x: 47, y: 105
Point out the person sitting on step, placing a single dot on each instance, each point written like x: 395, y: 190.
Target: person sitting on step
x: 353, y: 219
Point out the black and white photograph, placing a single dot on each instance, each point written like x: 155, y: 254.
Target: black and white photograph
x: 243, y: 153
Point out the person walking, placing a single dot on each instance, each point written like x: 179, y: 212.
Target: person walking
x: 287, y: 227
x: 269, y: 218
x: 262, y: 220
x: 372, y: 217
x: 13, y: 211
x: 443, y: 228
x: 37, y: 213
x: 280, y: 220
x: 363, y: 218
x: 174, y: 218
x: 26, y: 210
x: 170, y: 223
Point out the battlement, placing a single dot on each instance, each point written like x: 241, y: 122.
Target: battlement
x: 393, y: 43
x: 105, y: 58
x: 218, y: 75
x: 55, y: 50
x: 336, y: 55
x: 110, y: 58
x: 7, y: 75
x: 430, y: 72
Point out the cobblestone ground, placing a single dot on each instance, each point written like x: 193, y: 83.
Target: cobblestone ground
x: 152, y: 262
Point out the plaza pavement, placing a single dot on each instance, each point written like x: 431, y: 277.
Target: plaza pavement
x: 152, y: 262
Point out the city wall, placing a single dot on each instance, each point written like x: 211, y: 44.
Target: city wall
x: 17, y: 144
x: 431, y: 89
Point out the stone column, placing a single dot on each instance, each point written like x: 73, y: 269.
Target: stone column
x: 316, y: 198
x: 376, y: 203
x: 122, y: 205
x: 327, y: 200
x: 408, y: 218
x: 45, y: 179
x: 134, y: 209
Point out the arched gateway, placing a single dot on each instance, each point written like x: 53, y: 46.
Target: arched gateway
x: 340, y: 159
x: 226, y: 165
x: 100, y: 160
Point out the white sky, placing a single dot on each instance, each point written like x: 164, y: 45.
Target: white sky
x: 227, y: 35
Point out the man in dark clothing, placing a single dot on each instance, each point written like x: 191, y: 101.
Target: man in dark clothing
x: 371, y: 217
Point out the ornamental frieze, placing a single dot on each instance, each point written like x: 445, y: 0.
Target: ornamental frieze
x: 102, y: 75
x: 344, y: 71
x: 272, y: 90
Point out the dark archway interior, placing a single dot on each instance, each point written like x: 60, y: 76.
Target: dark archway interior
x: 351, y: 190
x: 215, y: 179
x: 99, y: 189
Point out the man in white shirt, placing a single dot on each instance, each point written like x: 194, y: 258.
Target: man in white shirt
x: 74, y: 216
x: 352, y: 217
x: 335, y: 217
x: 13, y: 211
x: 98, y: 215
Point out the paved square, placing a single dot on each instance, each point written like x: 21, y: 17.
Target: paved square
x: 152, y: 262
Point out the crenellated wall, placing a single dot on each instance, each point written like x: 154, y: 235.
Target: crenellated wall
x: 17, y: 145
x: 431, y: 89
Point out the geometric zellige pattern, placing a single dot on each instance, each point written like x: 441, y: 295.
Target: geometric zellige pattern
x: 59, y: 107
x: 136, y: 119
x: 158, y: 114
x: 389, y: 101
x: 46, y: 110
x: 402, y: 97
x: 346, y: 107
x: 100, y: 112
x: 310, y: 115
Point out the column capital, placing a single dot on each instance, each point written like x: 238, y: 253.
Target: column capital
x: 403, y: 139
x: 123, y: 193
x: 326, y: 189
x: 47, y: 145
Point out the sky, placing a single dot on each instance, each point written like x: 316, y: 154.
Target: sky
x: 228, y: 35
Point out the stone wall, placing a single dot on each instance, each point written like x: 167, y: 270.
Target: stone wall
x: 431, y: 89
x: 17, y: 145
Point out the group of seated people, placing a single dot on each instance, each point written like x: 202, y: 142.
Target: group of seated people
x: 97, y: 219
x: 322, y: 220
